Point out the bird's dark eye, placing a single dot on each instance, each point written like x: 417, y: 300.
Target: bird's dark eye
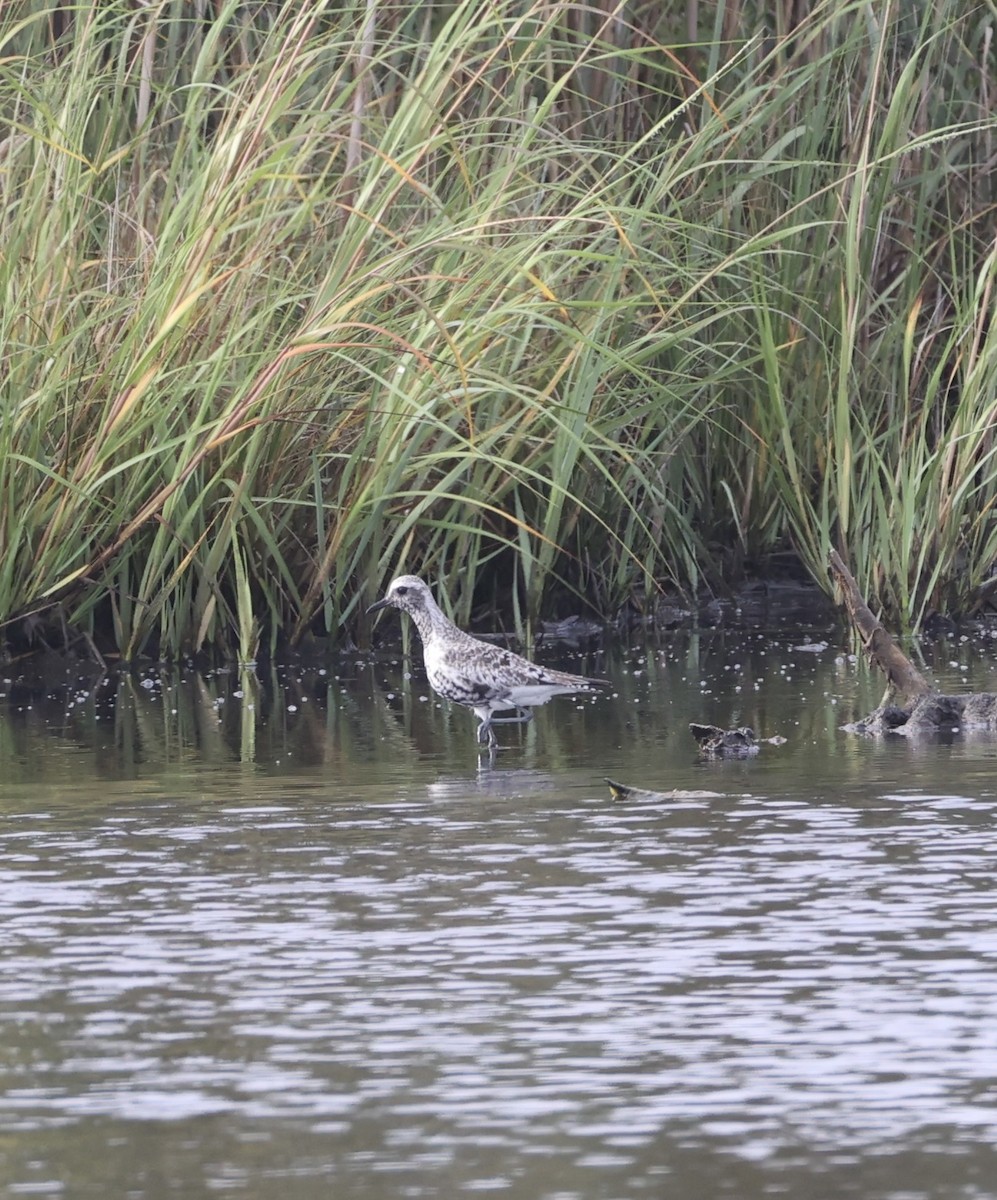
x: 401, y: 591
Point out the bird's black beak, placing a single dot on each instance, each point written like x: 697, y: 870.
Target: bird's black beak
x: 376, y: 606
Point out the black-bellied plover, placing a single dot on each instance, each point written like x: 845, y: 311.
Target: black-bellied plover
x: 482, y: 677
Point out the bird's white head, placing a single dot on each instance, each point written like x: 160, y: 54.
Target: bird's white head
x: 407, y: 592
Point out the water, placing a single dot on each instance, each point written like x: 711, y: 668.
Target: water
x: 286, y: 939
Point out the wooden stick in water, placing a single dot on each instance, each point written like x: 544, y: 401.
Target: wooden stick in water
x: 904, y: 678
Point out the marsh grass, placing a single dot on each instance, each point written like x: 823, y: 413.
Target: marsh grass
x: 294, y: 298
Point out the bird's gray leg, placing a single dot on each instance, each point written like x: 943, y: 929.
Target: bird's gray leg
x: 486, y: 733
x: 525, y: 714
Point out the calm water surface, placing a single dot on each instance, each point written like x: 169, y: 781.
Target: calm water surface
x: 287, y: 938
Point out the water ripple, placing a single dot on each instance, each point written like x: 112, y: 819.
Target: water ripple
x: 794, y: 979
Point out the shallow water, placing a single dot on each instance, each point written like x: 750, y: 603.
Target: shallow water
x: 290, y: 937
